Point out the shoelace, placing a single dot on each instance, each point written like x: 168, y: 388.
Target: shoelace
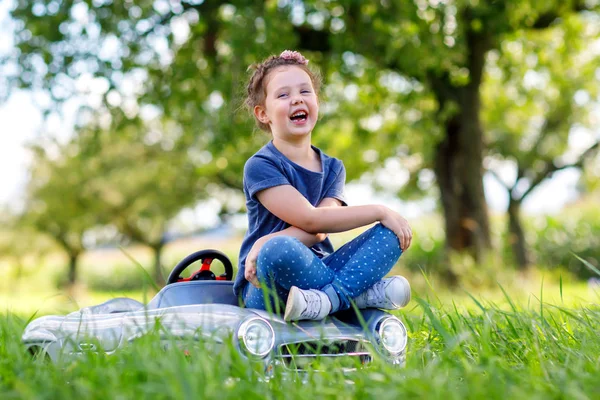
x: 313, y: 305
x: 376, y: 294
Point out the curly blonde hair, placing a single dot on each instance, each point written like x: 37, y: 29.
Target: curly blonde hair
x: 257, y: 85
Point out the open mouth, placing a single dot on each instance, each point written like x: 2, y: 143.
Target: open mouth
x: 299, y: 116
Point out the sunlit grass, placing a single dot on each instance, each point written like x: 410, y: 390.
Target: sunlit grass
x: 530, y: 336
x: 456, y: 351
x: 500, y: 335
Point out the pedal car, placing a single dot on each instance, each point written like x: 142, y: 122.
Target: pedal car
x: 203, y: 307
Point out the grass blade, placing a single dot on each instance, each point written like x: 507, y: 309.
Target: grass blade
x: 437, y: 324
x: 561, y: 289
x: 542, y: 301
x: 145, y: 273
x: 587, y: 264
x: 512, y: 305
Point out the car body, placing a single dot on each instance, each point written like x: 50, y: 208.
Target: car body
x: 208, y: 310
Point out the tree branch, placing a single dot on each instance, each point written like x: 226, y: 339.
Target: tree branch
x: 134, y: 233
x: 552, y: 167
x: 551, y: 124
x: 497, y: 177
x: 546, y: 19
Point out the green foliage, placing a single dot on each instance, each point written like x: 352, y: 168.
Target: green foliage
x: 552, y: 240
x: 539, y: 110
x: 188, y: 63
x: 143, y: 178
x: 57, y: 203
x: 161, y: 84
x: 427, y: 251
x: 538, y: 99
x: 23, y: 247
x: 558, y: 237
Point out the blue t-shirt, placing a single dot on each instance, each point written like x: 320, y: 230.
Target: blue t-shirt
x: 268, y: 168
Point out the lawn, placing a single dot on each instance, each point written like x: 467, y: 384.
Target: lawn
x: 529, y: 336
x: 466, y: 347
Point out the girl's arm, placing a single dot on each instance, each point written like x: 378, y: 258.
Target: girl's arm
x: 330, y: 202
x: 308, y: 239
x: 290, y: 206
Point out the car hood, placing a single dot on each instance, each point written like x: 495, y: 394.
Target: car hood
x: 340, y: 326
x: 183, y: 320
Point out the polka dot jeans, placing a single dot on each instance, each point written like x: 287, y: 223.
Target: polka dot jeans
x: 284, y: 262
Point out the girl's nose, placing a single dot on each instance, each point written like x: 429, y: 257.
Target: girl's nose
x: 297, y: 100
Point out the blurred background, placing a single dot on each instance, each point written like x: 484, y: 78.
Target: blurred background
x: 123, y: 136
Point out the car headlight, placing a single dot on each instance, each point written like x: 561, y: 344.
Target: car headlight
x: 391, y: 334
x: 256, y: 337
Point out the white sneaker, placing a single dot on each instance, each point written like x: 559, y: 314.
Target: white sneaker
x: 306, y: 304
x: 389, y: 293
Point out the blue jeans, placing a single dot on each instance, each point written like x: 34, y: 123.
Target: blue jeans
x: 284, y: 262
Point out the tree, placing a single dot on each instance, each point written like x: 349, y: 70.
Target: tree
x: 57, y: 202
x: 187, y: 59
x: 144, y: 179
x: 547, y: 100
x: 443, y: 45
x: 20, y: 245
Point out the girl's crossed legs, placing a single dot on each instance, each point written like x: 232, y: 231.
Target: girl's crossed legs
x: 284, y: 262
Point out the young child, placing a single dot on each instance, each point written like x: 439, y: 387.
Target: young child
x: 295, y: 197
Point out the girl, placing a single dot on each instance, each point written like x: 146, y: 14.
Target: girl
x: 295, y: 197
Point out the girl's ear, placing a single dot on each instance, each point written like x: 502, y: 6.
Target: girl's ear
x: 261, y: 114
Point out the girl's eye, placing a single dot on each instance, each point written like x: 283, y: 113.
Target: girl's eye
x: 305, y: 91
x: 281, y: 95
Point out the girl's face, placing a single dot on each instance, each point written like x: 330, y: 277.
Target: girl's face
x: 291, y: 106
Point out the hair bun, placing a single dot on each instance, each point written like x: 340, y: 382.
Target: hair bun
x: 293, y: 55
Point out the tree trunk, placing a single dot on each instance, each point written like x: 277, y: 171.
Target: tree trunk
x: 516, y: 235
x: 459, y: 158
x: 73, y: 257
x: 159, y: 278
x: 458, y: 169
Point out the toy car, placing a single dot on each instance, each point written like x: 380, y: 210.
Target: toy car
x: 204, y: 303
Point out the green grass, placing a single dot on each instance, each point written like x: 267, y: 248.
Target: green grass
x: 469, y: 349
x: 533, y: 337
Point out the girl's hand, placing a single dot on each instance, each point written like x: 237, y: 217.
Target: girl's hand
x: 250, y: 267
x: 399, y: 225
x: 308, y: 239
